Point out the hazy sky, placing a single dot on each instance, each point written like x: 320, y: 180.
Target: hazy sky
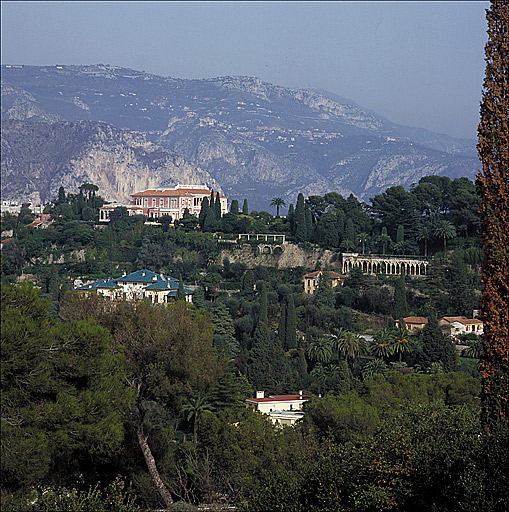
x: 416, y: 63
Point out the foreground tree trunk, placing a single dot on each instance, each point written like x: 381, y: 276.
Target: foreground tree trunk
x: 493, y: 187
x: 150, y: 461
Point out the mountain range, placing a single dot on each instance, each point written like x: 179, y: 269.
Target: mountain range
x: 124, y: 130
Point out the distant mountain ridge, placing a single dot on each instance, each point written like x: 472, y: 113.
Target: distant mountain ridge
x: 257, y: 140
x: 38, y: 158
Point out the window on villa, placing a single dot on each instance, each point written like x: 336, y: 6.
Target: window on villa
x: 174, y: 202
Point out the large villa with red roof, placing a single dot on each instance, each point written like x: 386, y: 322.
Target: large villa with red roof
x: 154, y: 203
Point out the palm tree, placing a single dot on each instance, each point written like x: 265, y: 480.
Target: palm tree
x: 385, y: 239
x: 277, y: 202
x: 346, y: 343
x: 382, y: 344
x: 195, y: 409
x: 320, y: 350
x: 373, y: 367
x: 476, y: 349
x: 362, y: 237
x: 424, y: 233
x: 401, y: 343
x: 445, y: 230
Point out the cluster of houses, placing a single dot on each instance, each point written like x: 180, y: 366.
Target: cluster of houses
x: 453, y: 325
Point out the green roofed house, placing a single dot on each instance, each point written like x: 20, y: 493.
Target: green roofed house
x: 142, y: 284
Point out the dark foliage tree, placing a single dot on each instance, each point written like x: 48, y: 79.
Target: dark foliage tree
x: 169, y: 355
x: 245, y: 208
x: 63, y: 394
x: 493, y: 187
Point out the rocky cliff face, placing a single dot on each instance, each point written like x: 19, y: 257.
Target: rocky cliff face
x: 292, y: 256
x: 38, y: 158
x: 257, y: 140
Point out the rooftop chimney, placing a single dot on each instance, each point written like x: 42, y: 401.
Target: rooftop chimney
x: 300, y: 392
x: 260, y: 394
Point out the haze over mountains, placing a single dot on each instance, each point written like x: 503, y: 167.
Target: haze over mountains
x: 252, y: 139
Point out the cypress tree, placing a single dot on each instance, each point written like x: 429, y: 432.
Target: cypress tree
x: 210, y: 222
x: 181, y: 294
x: 217, y: 207
x: 234, y: 207
x: 400, y: 235
x: 290, y: 217
x: 436, y: 346
x: 248, y: 281
x: 302, y: 366
x: 281, y: 331
x: 245, y: 208
x: 300, y: 220
x: 61, y: 196
x: 203, y: 212
x: 400, y: 302
x: 493, y: 188
x: 268, y: 361
x: 291, y: 324
x: 309, y: 226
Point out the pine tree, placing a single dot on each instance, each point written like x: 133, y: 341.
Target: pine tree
x: 340, y: 224
x: 300, y: 220
x: 291, y: 325
x: 400, y: 302
x: 350, y: 231
x: 493, y: 188
x: 245, y: 208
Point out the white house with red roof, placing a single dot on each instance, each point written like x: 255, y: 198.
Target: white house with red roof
x: 462, y: 325
x: 282, y: 409
x: 157, y: 202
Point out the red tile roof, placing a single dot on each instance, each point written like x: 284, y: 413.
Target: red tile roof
x: 316, y: 273
x: 181, y: 192
x: 415, y: 320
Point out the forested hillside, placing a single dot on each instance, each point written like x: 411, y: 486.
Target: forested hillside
x: 152, y: 397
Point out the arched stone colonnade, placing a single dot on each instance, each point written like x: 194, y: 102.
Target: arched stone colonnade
x: 390, y: 265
